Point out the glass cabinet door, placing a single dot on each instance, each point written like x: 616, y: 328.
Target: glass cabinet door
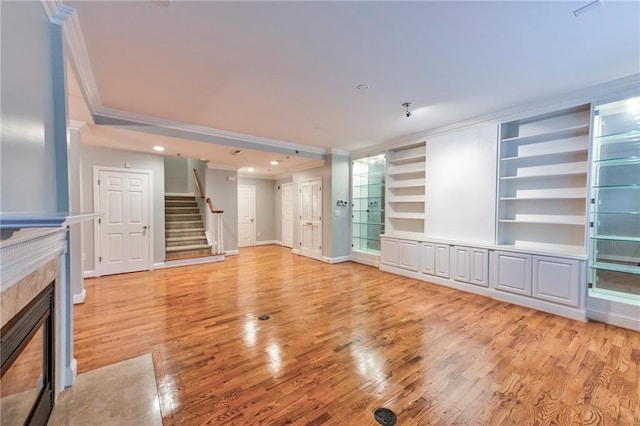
x: 615, y: 210
x: 367, y: 204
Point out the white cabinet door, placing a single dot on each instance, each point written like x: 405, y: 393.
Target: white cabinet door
x: 442, y: 260
x: 511, y: 272
x: 556, y: 280
x: 479, y: 267
x: 460, y: 263
x: 429, y: 258
x: 389, y: 252
x: 408, y: 255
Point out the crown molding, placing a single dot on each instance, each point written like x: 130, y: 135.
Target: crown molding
x: 340, y: 151
x: 57, y: 11
x: 76, y: 125
x: 80, y: 63
x: 109, y: 116
x: 603, y: 91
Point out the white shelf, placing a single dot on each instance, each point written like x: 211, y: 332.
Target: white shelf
x: 554, y: 175
x: 401, y: 215
x: 406, y: 199
x: 555, y: 134
x: 407, y: 160
x: 548, y: 220
x: 616, y: 267
x: 406, y: 183
x: 545, y: 155
x: 406, y: 169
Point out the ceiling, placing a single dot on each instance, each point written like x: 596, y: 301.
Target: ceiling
x: 289, y: 71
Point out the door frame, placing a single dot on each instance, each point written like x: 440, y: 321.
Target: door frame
x: 96, y: 208
x: 255, y: 219
x: 290, y: 186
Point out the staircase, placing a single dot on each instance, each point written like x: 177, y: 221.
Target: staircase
x: 184, y: 230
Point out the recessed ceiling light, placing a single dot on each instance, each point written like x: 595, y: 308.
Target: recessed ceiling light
x: 275, y: 162
x: 158, y: 148
x: 250, y: 170
x: 362, y: 86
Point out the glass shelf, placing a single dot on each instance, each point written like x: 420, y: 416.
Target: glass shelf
x: 616, y: 267
x: 368, y: 223
x: 379, y: 173
x: 622, y: 137
x: 633, y: 159
x: 616, y: 238
x: 368, y: 199
x: 635, y: 185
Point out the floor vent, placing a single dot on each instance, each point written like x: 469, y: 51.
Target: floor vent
x: 264, y: 317
x: 385, y: 417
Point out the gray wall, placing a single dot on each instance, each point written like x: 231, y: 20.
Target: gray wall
x: 176, y: 175
x: 277, y: 215
x: 340, y: 191
x: 265, y: 207
x: 27, y: 152
x: 91, y: 156
x: 224, y: 195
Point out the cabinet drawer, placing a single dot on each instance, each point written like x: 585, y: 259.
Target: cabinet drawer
x: 511, y: 272
x: 556, y: 280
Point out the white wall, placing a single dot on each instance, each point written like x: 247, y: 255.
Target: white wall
x: 461, y: 185
x: 176, y: 175
x: 224, y: 195
x: 91, y: 156
x: 27, y: 153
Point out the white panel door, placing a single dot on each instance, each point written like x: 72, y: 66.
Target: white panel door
x: 555, y: 279
x: 429, y: 258
x: 246, y: 216
x: 124, y: 228
x: 389, y: 252
x: 408, y: 255
x: 460, y: 263
x: 311, y: 218
x: 479, y: 267
x: 287, y: 215
x: 442, y: 260
x: 511, y: 272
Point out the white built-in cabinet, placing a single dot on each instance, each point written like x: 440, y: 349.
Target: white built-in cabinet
x: 405, y: 191
x: 399, y: 253
x: 552, y: 279
x: 470, y: 265
x: 442, y: 260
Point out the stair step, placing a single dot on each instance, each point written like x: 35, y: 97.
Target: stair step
x: 171, y: 233
x: 188, y: 254
x: 179, y: 197
x: 181, y: 210
x: 192, y: 247
x: 182, y: 217
x: 186, y: 241
x: 183, y: 225
x: 171, y: 204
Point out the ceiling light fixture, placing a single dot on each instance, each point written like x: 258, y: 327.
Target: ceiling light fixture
x: 586, y: 8
x: 406, y: 106
x: 275, y: 162
x: 250, y: 170
x: 362, y: 86
x: 158, y: 148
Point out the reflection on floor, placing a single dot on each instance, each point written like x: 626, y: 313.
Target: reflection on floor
x: 123, y: 393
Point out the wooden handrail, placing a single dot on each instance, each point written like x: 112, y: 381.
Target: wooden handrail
x: 195, y: 177
x: 210, y: 204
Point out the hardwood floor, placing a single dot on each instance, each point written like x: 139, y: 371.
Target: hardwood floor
x: 345, y: 339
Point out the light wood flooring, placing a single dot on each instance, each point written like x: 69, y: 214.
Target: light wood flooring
x: 345, y: 339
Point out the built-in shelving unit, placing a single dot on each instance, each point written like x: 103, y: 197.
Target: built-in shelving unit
x: 368, y: 195
x: 405, y: 191
x: 615, y: 209
x: 543, y: 181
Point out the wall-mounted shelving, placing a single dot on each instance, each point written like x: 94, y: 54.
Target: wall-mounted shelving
x: 615, y: 214
x: 543, y: 168
x: 367, y: 208
x: 405, y: 191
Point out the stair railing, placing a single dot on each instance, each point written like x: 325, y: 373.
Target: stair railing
x: 217, y: 234
x: 195, y: 178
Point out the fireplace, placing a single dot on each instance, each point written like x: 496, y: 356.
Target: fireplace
x: 27, y: 372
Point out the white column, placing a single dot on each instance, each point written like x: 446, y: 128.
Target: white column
x: 75, y: 231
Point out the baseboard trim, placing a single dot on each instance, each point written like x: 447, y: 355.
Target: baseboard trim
x: 232, y: 252
x: 89, y: 274
x: 339, y: 259
x: 614, y: 319
x: 193, y: 261
x: 366, y: 259
x: 80, y: 298
x: 625, y: 315
x: 268, y: 243
x: 71, y: 372
x: 295, y: 251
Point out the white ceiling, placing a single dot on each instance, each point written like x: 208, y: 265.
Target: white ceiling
x: 289, y: 70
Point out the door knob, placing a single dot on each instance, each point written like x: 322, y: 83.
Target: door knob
x: 145, y: 227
